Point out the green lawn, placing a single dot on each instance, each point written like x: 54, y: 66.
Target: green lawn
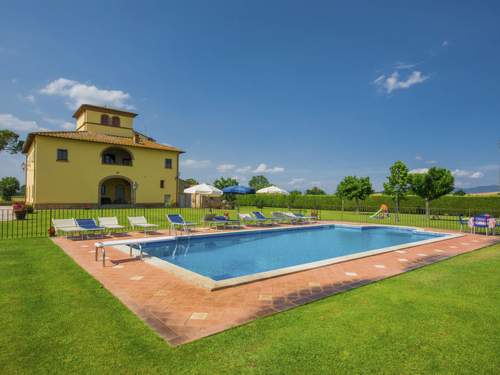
x: 443, y: 318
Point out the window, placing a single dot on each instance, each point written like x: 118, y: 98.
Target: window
x: 162, y: 184
x: 168, y: 163
x: 115, y: 121
x: 104, y: 120
x: 62, y: 154
x: 103, y: 189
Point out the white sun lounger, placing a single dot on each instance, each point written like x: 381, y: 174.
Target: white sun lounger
x: 249, y: 219
x: 67, y: 226
x: 110, y: 223
x: 287, y: 217
x: 141, y: 222
x: 305, y: 218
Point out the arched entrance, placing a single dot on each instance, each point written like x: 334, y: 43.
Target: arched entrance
x: 116, y: 191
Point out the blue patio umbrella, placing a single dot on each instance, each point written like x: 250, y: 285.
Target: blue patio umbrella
x: 238, y: 189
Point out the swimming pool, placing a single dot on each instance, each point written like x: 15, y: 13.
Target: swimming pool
x: 232, y: 258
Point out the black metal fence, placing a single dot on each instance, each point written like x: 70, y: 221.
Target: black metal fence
x: 37, y: 223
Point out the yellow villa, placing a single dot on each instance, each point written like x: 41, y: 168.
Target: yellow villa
x: 103, y: 162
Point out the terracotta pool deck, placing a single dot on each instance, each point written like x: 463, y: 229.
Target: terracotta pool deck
x: 181, y: 312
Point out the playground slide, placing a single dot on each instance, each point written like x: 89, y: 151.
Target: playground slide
x: 376, y: 214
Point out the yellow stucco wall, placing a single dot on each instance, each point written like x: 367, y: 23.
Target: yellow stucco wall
x: 111, y: 130
x: 90, y: 120
x: 77, y: 180
x: 30, y: 173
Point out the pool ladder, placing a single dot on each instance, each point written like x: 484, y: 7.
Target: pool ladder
x: 178, y: 246
x: 140, y: 250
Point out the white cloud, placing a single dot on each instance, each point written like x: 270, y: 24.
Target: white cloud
x: 191, y: 163
x: 296, y: 181
x: 240, y: 179
x: 419, y: 170
x: 223, y: 168
x: 467, y: 174
x: 477, y: 175
x: 402, y: 65
x: 393, y: 82
x: 263, y: 168
x: 419, y: 157
x: 78, y: 93
x: 8, y: 121
x: 245, y: 169
x: 445, y: 43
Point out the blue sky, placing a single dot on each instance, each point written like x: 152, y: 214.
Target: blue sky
x: 302, y: 92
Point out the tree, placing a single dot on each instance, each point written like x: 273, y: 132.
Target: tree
x: 8, y: 187
x: 315, y: 191
x: 295, y: 192
x: 432, y: 185
x: 355, y: 188
x: 259, y: 182
x: 398, y: 183
x: 9, y: 141
x: 222, y: 182
x: 191, y: 181
x: 459, y: 193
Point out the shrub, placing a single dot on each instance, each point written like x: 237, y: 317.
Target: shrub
x: 448, y: 204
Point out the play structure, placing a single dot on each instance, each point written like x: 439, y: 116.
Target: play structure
x: 382, y: 213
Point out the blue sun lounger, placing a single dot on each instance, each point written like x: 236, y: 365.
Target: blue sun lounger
x: 176, y: 220
x: 220, y: 221
x: 89, y: 225
x: 261, y: 217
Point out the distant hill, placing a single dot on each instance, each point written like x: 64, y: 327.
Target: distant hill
x: 482, y: 189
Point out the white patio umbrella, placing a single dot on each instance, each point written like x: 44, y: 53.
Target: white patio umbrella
x: 204, y: 189
x: 272, y: 190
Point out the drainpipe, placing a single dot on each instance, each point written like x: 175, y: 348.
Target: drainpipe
x: 177, y: 193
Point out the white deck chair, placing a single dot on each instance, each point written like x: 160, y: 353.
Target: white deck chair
x: 110, y: 223
x: 141, y: 222
x: 67, y: 226
x: 298, y: 217
x: 250, y: 220
x: 286, y: 217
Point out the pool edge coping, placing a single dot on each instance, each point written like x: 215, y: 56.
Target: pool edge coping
x: 213, y: 285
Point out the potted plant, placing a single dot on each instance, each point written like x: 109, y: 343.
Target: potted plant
x: 51, y: 231
x: 19, y: 211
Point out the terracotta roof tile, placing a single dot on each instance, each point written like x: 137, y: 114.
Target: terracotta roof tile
x: 145, y: 142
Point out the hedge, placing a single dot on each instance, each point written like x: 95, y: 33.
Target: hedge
x: 447, y: 204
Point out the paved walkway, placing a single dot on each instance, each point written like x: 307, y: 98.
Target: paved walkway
x: 181, y: 312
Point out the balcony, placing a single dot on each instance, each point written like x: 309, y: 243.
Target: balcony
x: 116, y: 156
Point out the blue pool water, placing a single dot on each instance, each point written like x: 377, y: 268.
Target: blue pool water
x: 225, y: 256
